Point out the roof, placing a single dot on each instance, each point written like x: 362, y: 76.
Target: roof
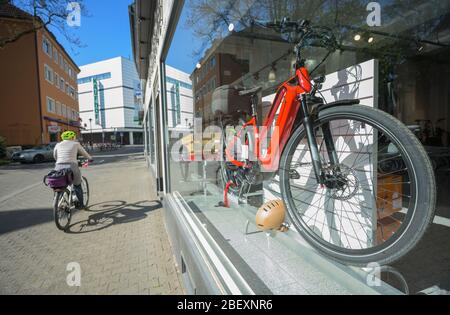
x: 11, y: 11
x: 142, y: 20
x: 8, y: 10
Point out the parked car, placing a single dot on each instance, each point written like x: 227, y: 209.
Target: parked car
x: 37, y: 154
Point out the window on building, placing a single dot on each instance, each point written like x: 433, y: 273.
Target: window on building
x: 62, y: 84
x: 58, y: 108
x: 55, y: 54
x: 61, y: 61
x: 67, y: 89
x: 48, y: 73
x: 102, y: 76
x: 51, y: 108
x: 63, y: 110
x: 72, y: 92
x: 57, y: 82
x: 47, y: 46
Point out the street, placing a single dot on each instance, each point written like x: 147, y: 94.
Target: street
x: 118, y: 246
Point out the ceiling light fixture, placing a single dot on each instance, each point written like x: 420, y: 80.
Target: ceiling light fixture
x: 272, y: 74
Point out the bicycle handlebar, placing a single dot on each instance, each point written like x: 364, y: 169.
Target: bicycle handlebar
x: 306, y: 31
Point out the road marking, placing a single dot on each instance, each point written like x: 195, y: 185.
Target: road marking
x: 18, y: 192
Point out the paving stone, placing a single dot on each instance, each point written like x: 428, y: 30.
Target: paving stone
x: 120, y: 249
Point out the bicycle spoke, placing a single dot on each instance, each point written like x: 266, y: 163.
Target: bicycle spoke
x: 347, y: 213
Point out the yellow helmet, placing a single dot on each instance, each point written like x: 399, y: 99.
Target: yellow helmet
x: 68, y: 135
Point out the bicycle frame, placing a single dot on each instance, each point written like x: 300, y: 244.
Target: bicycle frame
x: 288, y: 101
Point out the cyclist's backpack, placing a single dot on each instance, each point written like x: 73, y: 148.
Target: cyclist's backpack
x: 59, y: 179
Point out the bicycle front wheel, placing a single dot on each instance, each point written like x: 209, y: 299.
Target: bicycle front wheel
x: 61, y: 209
x: 380, y: 194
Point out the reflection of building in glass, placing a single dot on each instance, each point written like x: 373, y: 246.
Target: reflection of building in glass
x: 248, y: 58
x: 110, y: 101
x: 179, y: 99
x: 218, y: 68
x: 408, y: 55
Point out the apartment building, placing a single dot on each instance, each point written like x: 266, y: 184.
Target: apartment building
x: 216, y: 69
x: 38, y: 90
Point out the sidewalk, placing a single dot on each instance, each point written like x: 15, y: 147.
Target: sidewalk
x: 120, y: 244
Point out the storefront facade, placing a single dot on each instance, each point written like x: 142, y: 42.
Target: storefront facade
x: 393, y: 55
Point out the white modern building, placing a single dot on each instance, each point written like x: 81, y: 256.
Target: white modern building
x: 180, y: 105
x: 110, y: 102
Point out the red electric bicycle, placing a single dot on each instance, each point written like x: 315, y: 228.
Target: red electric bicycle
x: 356, y: 183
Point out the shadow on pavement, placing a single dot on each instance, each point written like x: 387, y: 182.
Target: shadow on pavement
x: 112, y: 213
x: 106, y: 206
x: 19, y: 219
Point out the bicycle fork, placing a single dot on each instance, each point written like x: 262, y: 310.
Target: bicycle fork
x: 308, y: 123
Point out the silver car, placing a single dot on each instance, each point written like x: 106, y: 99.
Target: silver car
x: 38, y: 154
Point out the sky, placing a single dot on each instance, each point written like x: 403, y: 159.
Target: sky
x: 105, y: 33
x: 183, y: 44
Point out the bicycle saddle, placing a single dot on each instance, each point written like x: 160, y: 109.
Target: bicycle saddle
x: 243, y: 92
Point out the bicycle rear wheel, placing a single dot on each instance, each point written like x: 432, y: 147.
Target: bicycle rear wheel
x: 85, y: 186
x: 379, y: 199
x: 61, y: 209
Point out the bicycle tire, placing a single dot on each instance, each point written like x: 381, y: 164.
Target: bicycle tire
x: 423, y: 211
x: 57, y: 210
x: 86, y: 192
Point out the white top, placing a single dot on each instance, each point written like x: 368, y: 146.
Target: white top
x: 67, y: 152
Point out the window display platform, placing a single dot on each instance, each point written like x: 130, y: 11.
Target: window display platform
x: 276, y: 262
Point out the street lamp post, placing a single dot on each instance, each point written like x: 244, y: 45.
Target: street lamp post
x: 92, y: 136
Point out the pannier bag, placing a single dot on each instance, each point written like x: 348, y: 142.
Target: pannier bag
x: 59, y: 179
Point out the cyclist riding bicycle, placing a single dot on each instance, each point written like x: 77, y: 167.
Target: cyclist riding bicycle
x: 66, y: 156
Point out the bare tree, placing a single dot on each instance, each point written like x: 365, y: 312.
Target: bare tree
x: 22, y: 17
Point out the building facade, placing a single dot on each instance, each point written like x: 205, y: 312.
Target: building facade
x: 38, y: 94
x: 179, y: 99
x: 399, y: 66
x: 110, y: 102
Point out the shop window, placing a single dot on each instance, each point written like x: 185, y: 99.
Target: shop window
x: 407, y: 57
